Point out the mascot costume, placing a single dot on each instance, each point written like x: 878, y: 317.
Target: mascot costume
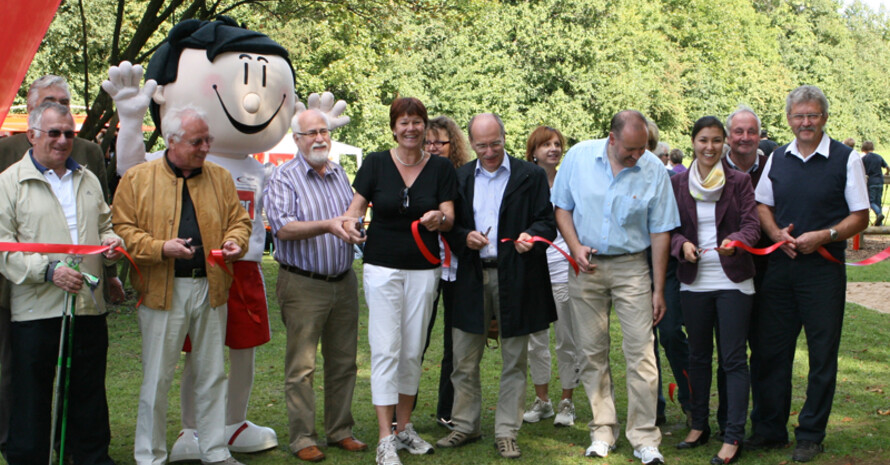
x: 244, y: 82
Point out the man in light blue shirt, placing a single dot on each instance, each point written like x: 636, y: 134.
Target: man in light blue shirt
x: 613, y: 200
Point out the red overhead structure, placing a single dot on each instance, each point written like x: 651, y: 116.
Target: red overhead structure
x: 22, y: 27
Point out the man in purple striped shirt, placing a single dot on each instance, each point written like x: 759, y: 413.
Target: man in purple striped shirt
x: 317, y: 289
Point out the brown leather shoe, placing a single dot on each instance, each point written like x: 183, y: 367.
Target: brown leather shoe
x: 351, y: 445
x: 310, y: 454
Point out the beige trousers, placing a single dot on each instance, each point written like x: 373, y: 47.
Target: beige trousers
x: 623, y: 281
x: 468, y: 349
x: 313, y: 310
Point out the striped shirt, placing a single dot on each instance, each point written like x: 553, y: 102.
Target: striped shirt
x: 296, y: 192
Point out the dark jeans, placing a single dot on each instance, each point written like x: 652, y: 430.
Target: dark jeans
x: 446, y: 389
x: 728, y: 312
x: 35, y: 350
x: 808, y: 292
x: 669, y: 333
x: 875, y: 191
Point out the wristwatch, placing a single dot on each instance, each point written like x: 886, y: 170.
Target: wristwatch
x: 832, y: 233
x: 444, y: 218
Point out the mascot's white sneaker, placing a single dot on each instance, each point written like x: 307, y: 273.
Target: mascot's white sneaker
x: 186, y: 447
x: 248, y: 437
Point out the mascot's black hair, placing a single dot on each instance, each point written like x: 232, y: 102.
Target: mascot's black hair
x: 220, y: 36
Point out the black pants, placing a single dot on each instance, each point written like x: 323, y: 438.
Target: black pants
x: 729, y: 312
x: 35, y: 350
x: 446, y: 389
x: 669, y: 333
x: 808, y: 292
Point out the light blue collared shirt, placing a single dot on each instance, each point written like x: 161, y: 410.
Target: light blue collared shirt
x: 488, y: 192
x: 614, y: 214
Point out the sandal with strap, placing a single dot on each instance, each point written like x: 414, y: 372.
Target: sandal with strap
x: 507, y: 447
x: 456, y: 439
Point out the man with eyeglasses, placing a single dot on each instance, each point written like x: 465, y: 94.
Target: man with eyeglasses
x: 317, y: 288
x: 614, y: 200
x: 812, y: 196
x: 503, y: 202
x: 172, y: 212
x: 47, y: 197
x: 48, y: 88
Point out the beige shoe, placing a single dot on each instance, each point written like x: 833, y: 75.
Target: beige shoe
x: 457, y: 439
x: 507, y: 447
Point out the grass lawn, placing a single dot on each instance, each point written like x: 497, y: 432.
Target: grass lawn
x: 857, y: 432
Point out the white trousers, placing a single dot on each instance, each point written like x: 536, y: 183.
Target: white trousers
x: 163, y: 332
x: 568, y: 360
x: 400, y: 303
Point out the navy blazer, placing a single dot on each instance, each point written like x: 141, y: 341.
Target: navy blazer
x: 737, y: 219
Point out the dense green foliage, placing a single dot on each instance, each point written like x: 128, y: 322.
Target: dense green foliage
x: 569, y: 64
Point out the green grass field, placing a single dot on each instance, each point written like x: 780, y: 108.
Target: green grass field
x: 857, y: 432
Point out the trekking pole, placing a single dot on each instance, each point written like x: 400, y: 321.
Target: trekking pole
x: 56, y: 387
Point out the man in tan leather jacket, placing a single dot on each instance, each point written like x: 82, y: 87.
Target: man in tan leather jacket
x: 171, y: 212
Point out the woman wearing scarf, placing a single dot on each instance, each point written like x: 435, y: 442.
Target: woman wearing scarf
x: 717, y: 207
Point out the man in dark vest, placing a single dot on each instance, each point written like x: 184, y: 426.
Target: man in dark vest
x: 813, y: 196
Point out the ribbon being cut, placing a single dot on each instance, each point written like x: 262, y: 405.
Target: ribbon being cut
x: 878, y: 257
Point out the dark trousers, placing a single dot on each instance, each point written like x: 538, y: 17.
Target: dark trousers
x: 446, y: 389
x: 728, y: 312
x: 669, y: 333
x: 35, y: 350
x: 875, y: 191
x: 721, y: 375
x: 809, y: 293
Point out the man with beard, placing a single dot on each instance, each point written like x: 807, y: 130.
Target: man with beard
x: 317, y: 288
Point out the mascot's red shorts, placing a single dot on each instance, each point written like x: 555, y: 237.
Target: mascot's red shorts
x: 247, y: 324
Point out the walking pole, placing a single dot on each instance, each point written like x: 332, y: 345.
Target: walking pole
x: 56, y: 385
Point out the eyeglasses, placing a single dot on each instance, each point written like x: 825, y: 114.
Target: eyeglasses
x: 483, y: 147
x: 56, y: 133
x: 406, y: 201
x: 437, y: 143
x: 200, y: 141
x: 804, y: 116
x: 315, y: 132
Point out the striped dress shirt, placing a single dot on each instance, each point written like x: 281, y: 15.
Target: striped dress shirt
x: 296, y: 192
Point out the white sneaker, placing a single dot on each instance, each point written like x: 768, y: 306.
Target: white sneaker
x: 649, y: 455
x: 248, y: 437
x: 537, y: 411
x: 599, y: 449
x: 386, y: 451
x: 186, y: 447
x: 410, y: 440
x: 228, y: 461
x: 565, y: 413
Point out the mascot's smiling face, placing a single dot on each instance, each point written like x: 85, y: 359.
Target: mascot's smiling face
x: 248, y: 97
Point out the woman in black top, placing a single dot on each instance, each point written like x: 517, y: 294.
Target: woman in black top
x: 404, y: 184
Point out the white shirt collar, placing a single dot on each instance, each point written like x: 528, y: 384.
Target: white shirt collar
x: 822, y: 149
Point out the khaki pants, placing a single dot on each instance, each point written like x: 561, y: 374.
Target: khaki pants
x: 313, y: 310
x: 163, y: 332
x: 468, y: 348
x: 623, y: 281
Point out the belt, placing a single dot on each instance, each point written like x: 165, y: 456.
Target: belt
x: 489, y: 263
x: 318, y: 276
x: 193, y: 273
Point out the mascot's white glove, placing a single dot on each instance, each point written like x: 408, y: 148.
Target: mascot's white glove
x: 325, y: 104
x: 132, y: 103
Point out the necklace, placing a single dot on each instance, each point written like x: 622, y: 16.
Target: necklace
x: 422, y: 158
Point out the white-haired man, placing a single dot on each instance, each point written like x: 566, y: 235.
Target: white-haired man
x: 317, y: 289
x: 171, y: 212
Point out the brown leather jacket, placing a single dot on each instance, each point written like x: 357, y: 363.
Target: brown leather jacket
x: 146, y: 211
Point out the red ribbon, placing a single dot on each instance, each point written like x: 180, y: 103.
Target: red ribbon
x: 69, y: 249
x: 415, y: 231
x: 216, y: 259
x: 551, y: 244
x: 878, y: 257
